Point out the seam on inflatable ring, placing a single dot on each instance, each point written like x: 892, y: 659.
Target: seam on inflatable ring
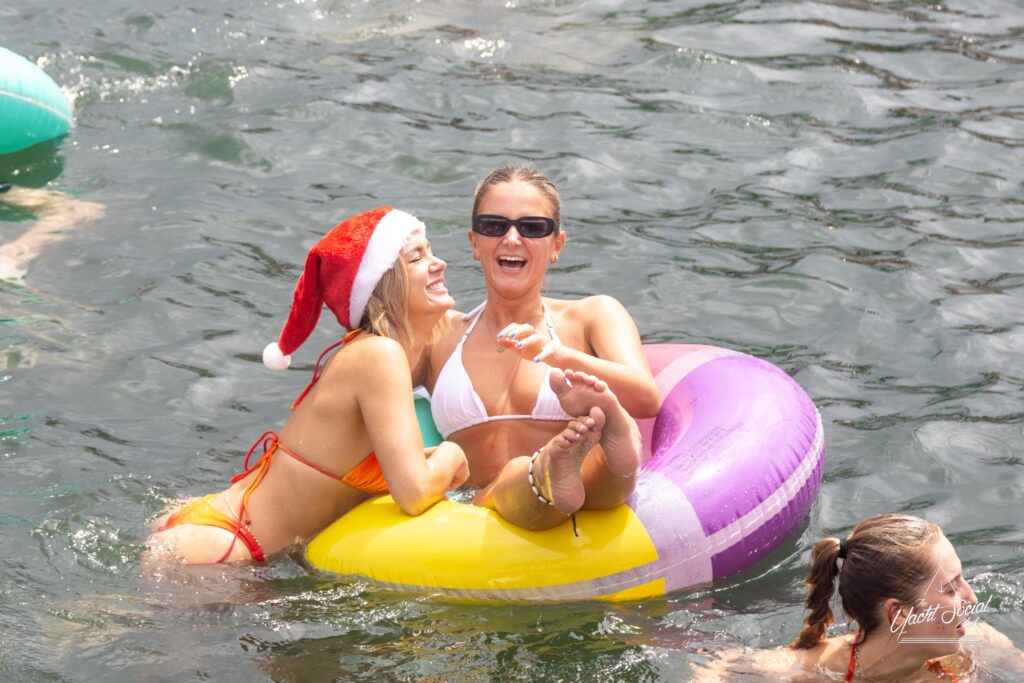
x: 42, y: 105
x: 779, y: 498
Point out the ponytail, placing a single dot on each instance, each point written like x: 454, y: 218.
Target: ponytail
x: 885, y: 556
x: 821, y: 582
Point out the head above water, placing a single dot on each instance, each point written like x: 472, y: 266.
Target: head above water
x: 520, y: 174
x: 887, y: 556
x: 356, y: 271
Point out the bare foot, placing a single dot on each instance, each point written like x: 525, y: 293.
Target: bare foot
x: 577, y: 393
x: 560, y: 475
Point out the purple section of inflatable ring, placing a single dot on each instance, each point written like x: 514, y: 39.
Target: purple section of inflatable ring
x: 757, y: 545
x: 751, y: 428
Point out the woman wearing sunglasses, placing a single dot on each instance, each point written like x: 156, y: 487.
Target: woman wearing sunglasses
x: 538, y: 391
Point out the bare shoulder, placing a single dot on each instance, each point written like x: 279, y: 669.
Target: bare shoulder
x: 455, y: 325
x: 369, y: 357
x: 979, y: 629
x: 442, y: 347
x: 588, y: 306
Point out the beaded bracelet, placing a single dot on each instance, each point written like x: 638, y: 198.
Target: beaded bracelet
x: 533, y: 482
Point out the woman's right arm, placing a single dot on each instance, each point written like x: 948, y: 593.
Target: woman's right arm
x: 415, y: 479
x: 998, y: 639
x: 780, y: 664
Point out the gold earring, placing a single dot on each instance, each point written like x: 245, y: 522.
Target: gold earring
x: 554, y: 258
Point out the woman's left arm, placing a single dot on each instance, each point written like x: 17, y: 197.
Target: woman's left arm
x: 618, y: 354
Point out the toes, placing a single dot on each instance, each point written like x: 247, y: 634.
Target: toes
x: 559, y: 381
x: 575, y: 377
x: 580, y: 376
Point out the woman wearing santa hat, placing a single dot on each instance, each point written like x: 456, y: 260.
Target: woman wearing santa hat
x: 508, y: 377
x: 353, y: 432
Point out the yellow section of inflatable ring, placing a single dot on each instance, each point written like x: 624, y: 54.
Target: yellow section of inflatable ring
x: 460, y: 547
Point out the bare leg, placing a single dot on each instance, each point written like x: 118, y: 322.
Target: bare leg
x: 556, y: 474
x: 56, y: 213
x: 620, y: 438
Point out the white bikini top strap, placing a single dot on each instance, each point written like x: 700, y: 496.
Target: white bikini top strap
x: 476, y: 314
x: 480, y: 307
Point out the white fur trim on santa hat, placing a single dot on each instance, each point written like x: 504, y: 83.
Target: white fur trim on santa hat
x: 274, y: 359
x: 385, y: 244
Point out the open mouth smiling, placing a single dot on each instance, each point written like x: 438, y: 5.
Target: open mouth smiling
x: 511, y: 262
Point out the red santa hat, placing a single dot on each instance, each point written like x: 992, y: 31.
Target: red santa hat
x: 342, y: 270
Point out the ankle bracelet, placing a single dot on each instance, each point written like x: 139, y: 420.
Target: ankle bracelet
x: 540, y: 496
x: 533, y: 482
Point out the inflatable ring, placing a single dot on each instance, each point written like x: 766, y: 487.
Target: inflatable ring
x: 732, y: 463
x: 33, y: 108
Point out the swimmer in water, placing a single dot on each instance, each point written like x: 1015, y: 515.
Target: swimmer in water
x: 900, y: 579
x: 56, y: 214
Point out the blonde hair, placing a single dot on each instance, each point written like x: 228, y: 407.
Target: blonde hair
x: 522, y: 174
x: 887, y: 556
x: 387, y: 311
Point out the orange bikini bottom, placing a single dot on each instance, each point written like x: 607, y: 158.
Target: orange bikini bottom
x: 203, y: 513
x: 367, y: 477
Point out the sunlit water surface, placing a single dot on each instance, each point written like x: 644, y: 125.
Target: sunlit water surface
x: 832, y: 186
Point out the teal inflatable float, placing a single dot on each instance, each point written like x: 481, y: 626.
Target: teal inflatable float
x: 33, y: 108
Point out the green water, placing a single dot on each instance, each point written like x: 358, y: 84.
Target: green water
x: 832, y: 186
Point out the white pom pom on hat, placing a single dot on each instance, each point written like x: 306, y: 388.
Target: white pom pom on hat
x: 341, y: 271
x: 274, y: 359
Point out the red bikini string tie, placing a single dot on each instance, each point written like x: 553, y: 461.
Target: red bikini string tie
x: 268, y: 440
x: 316, y: 370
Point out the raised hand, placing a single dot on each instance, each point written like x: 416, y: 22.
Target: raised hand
x: 527, y: 342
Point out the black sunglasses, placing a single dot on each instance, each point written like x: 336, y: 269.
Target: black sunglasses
x: 532, y: 227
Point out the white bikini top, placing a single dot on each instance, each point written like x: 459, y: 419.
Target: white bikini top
x: 455, y: 405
